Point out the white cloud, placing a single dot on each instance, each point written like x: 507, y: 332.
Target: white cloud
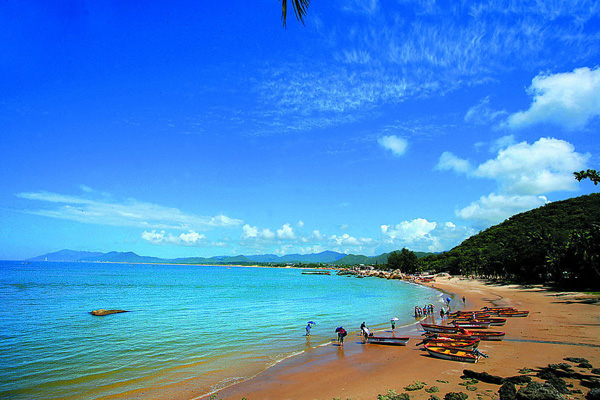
x: 542, y: 167
x: 394, y: 143
x: 449, y: 161
x: 300, y: 224
x: 483, y: 114
x: 286, y: 233
x: 422, y: 235
x: 191, y: 238
x: 126, y: 213
x: 253, y: 232
x: 409, y: 230
x: 570, y: 99
x: 495, y: 208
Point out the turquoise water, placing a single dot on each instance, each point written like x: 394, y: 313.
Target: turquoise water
x: 217, y: 325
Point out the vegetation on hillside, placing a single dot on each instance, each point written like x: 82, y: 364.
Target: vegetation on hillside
x: 558, y: 243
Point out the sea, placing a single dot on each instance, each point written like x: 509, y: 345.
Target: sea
x: 217, y: 325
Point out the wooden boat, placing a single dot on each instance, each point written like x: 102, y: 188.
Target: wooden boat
x: 493, y: 321
x: 439, y: 328
x: 496, y: 308
x: 469, y: 314
x: 512, y: 313
x: 452, y: 354
x: 394, y: 341
x: 316, y: 273
x: 454, y: 344
x: 471, y: 324
x: 482, y: 335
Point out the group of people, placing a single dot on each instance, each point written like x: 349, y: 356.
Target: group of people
x: 426, y: 310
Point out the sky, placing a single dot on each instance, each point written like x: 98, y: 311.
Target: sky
x: 204, y: 128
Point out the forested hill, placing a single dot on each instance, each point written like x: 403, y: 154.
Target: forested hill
x: 559, y: 241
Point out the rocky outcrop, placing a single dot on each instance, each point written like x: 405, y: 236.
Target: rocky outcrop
x: 102, y: 312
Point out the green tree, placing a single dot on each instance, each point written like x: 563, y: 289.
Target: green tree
x: 300, y: 9
x: 404, y: 260
x: 590, y: 174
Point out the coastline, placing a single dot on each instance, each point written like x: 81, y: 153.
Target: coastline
x: 560, y: 324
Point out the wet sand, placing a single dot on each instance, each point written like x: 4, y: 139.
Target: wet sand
x: 559, y: 325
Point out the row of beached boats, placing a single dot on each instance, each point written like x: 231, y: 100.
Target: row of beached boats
x: 459, y: 339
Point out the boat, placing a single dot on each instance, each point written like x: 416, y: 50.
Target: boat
x: 496, y: 308
x: 512, y: 313
x: 471, y: 324
x: 439, y: 328
x: 482, y: 335
x: 395, y: 341
x: 455, y: 344
x: 492, y: 320
x: 470, y: 314
x: 452, y: 354
x: 316, y: 273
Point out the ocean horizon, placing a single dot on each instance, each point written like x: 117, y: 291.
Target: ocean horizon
x: 217, y: 325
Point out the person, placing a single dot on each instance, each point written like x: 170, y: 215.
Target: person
x: 464, y: 301
x: 364, y: 330
x: 341, y: 333
x: 393, y: 325
x: 308, y: 326
x: 442, y: 313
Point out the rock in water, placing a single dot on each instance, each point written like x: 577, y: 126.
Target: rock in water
x: 538, y: 391
x: 101, y: 312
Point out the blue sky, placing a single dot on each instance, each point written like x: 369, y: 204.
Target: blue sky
x: 189, y: 128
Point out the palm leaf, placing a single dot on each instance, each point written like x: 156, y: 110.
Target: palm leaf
x: 300, y: 9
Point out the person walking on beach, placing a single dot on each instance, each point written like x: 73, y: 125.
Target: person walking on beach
x: 364, y: 330
x: 393, y: 322
x: 308, y: 326
x: 464, y: 301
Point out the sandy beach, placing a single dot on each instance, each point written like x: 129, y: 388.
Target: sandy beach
x: 560, y: 324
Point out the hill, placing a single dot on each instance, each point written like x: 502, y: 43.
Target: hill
x: 557, y: 242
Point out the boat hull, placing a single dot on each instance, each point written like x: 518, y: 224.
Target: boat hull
x: 392, y: 341
x: 452, y: 354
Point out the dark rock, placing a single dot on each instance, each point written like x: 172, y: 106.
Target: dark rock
x: 102, y: 312
x: 472, y: 388
x: 596, y: 371
x: 539, y: 391
x: 433, y: 389
x: 434, y: 397
x: 518, y: 380
x: 591, y: 382
x: 525, y: 370
x: 415, y: 386
x: 559, y: 384
x: 593, y: 394
x: 483, y: 377
x: 586, y: 365
x: 507, y: 391
x: 456, y: 396
x: 576, y: 360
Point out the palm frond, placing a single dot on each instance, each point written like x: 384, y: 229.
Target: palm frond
x: 300, y: 9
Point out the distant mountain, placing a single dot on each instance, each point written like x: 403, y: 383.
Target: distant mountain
x: 66, y: 255
x: 354, y: 259
x: 131, y: 257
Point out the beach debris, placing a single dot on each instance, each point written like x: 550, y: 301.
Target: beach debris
x: 102, y: 312
x: 507, y: 391
x: 526, y: 370
x: 392, y: 395
x: 456, y: 396
x: 539, y: 391
x: 415, y: 386
x: 483, y: 377
x: 576, y: 360
x: 593, y: 394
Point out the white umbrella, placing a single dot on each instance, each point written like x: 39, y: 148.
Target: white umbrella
x: 395, y: 319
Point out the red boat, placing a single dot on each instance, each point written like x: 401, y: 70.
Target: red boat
x: 439, y: 328
x: 482, y: 335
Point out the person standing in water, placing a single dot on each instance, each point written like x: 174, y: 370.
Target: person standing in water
x: 308, y: 326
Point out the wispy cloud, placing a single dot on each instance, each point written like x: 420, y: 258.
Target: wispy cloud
x: 191, y: 238
x: 130, y: 212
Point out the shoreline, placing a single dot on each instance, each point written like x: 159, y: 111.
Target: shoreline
x: 361, y: 371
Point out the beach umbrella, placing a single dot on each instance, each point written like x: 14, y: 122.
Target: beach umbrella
x: 395, y: 319
x: 311, y: 322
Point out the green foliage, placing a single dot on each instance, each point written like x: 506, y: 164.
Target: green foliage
x: 392, y: 395
x: 404, y: 260
x: 559, y: 243
x: 590, y: 174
